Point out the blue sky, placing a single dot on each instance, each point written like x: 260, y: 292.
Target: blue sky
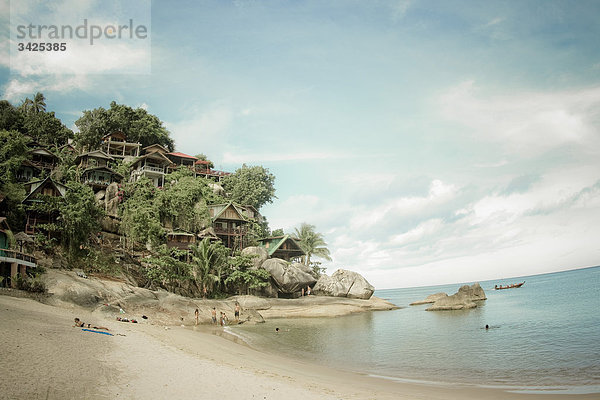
x: 430, y: 141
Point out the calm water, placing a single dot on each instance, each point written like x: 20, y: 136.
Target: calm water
x: 543, y: 336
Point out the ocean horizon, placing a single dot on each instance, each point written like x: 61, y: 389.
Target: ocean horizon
x: 543, y: 337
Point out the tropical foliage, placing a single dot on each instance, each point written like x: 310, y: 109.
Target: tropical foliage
x: 250, y: 186
x: 312, y: 243
x: 137, y: 124
x: 146, y: 213
x: 79, y: 216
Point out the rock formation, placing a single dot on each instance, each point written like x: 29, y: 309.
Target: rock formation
x: 111, y: 199
x: 429, y: 299
x: 288, y: 277
x: 464, y: 299
x: 217, y: 189
x: 260, y: 252
x: 344, y: 283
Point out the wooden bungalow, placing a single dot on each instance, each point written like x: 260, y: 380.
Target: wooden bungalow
x: 284, y: 247
x: 153, y: 165
x: 43, y: 158
x: 96, y: 170
x: 180, y: 240
x: 181, y: 159
x: 229, y: 224
x: 202, y: 168
x: 35, y: 218
x: 116, y: 145
x: 28, y: 171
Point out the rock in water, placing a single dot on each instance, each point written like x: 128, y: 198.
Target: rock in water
x: 288, y: 278
x: 344, y: 283
x: 260, y: 252
x: 463, y: 299
x: 429, y: 299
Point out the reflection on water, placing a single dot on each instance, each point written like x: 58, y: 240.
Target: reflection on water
x: 544, y: 334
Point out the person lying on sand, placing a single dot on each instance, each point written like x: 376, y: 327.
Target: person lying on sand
x: 82, y: 324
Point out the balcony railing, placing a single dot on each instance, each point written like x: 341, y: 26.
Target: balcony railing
x: 152, y: 169
x: 17, y: 255
x: 231, y: 231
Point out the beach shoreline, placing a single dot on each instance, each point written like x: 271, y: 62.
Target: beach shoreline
x: 49, y: 358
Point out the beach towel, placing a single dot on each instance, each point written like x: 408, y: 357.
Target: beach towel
x: 102, y: 332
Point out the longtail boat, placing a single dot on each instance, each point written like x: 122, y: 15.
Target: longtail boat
x: 514, y: 285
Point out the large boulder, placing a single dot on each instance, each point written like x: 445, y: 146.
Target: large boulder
x: 260, y: 253
x: 111, y: 199
x: 288, y: 278
x: 217, y: 189
x: 464, y: 299
x: 344, y: 283
x: 306, y: 268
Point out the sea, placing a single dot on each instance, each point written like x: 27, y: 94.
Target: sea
x: 542, y: 337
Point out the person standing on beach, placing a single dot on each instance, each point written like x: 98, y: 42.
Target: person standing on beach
x: 214, y: 315
x: 308, y: 291
x: 196, y: 314
x: 237, y: 312
x: 223, y: 319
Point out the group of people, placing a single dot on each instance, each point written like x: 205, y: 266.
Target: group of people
x: 223, y: 319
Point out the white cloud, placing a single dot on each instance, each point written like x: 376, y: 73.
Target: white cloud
x: 422, y: 231
x: 19, y: 88
x: 370, y: 216
x: 526, y: 123
x: 205, y: 131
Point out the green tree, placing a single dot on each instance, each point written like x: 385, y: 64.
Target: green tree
x: 10, y: 117
x: 13, y: 151
x: 312, y: 243
x: 243, y: 277
x: 277, y: 232
x: 250, y: 186
x: 182, y: 201
x: 166, y: 270
x: 209, y: 261
x: 137, y: 124
x: 43, y: 126
x: 79, y: 216
x: 37, y: 105
x: 140, y: 215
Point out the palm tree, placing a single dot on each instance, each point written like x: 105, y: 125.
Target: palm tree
x: 39, y: 103
x: 312, y: 243
x: 205, y: 260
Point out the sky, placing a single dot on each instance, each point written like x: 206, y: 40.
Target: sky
x: 430, y: 142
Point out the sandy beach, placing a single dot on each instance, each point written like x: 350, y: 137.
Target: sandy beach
x: 45, y: 357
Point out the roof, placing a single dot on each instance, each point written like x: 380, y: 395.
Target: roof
x: 115, y: 133
x: 41, y: 150
x: 157, y: 147
x: 223, y: 207
x: 182, y: 155
x: 203, y: 162
x: 275, y: 243
x: 155, y: 155
x: 95, y: 153
x: 62, y: 189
